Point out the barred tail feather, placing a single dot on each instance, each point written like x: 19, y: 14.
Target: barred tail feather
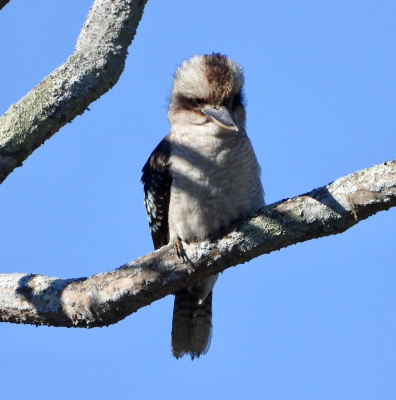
x: 191, y: 325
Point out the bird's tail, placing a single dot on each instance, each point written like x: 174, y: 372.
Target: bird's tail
x: 191, y: 325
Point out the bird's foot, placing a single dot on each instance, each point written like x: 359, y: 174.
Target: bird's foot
x: 181, y: 253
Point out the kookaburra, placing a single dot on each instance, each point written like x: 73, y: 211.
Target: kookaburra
x: 200, y: 178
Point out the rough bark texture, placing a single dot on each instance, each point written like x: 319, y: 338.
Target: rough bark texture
x: 106, y: 298
x: 89, y: 72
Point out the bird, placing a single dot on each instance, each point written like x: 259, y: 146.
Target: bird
x: 202, y: 177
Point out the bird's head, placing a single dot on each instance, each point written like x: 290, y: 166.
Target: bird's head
x: 207, y: 90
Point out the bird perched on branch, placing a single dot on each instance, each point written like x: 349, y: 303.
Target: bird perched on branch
x: 200, y: 178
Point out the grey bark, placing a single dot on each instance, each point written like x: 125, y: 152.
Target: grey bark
x: 89, y: 72
x: 106, y: 298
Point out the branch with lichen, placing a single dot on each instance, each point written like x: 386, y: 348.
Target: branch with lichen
x: 93, y: 69
x: 106, y: 298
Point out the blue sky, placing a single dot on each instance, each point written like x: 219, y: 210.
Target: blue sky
x: 313, y: 321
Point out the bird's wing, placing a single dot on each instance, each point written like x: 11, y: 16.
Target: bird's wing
x: 157, y: 181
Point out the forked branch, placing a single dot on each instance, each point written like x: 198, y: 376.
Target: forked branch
x: 89, y: 72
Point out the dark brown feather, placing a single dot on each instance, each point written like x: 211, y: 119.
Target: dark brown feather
x: 220, y: 78
x: 191, y: 324
x: 157, y: 182
x: 183, y: 103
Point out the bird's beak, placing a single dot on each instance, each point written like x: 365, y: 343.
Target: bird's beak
x: 222, y: 116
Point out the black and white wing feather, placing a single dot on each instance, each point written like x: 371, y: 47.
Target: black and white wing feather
x: 157, y: 181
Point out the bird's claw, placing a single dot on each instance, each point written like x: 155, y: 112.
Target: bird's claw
x: 181, y: 253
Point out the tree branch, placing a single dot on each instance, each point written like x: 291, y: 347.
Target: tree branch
x: 106, y: 298
x: 89, y: 72
x: 3, y: 3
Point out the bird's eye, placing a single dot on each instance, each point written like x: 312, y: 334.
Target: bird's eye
x: 199, y: 102
x: 238, y: 100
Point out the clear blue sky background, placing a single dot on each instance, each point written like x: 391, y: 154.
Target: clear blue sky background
x: 313, y: 321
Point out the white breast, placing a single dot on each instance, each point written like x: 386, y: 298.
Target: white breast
x: 216, y: 180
